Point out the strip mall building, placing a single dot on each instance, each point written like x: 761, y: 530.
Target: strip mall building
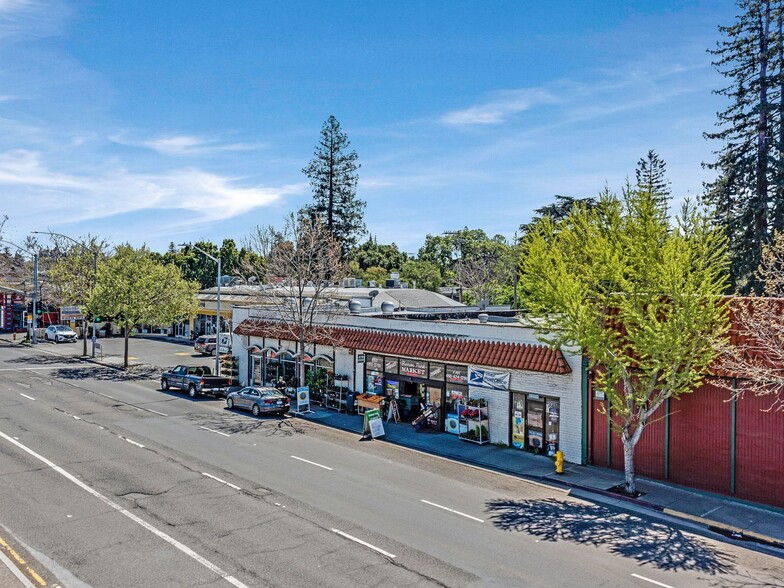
x: 537, y: 398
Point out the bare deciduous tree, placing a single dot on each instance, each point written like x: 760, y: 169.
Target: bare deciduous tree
x: 302, y: 265
x: 757, y: 357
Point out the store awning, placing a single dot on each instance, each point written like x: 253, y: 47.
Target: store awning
x: 502, y: 354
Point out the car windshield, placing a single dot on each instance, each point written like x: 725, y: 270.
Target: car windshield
x: 61, y: 328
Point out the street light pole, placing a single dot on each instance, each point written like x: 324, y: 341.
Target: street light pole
x: 218, y: 305
x: 95, y: 278
x: 35, y: 287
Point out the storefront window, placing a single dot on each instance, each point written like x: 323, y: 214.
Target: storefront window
x: 535, y: 422
x: 457, y: 374
x: 455, y: 394
x: 374, y: 375
x: 552, y: 418
x: 437, y: 371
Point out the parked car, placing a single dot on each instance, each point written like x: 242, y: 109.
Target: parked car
x: 60, y: 334
x: 259, y: 400
x: 206, y: 344
x: 195, y: 379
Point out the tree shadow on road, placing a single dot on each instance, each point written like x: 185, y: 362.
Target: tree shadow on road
x: 773, y: 578
x: 645, y: 541
x: 231, y: 423
x: 103, y: 373
x: 44, y: 359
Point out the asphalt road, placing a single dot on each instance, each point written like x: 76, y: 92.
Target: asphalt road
x: 107, y: 481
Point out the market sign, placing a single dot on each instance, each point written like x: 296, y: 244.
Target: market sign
x: 457, y: 374
x: 374, y: 363
x: 488, y: 378
x: 373, y: 423
x: 413, y: 367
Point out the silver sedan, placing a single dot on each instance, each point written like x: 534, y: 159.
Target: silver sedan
x: 259, y: 400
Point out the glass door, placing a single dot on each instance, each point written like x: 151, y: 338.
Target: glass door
x: 518, y: 420
x: 535, y: 424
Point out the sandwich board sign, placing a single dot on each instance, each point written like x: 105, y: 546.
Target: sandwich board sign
x: 373, y: 423
x: 303, y: 400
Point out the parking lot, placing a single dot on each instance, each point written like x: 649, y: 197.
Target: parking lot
x: 145, y: 350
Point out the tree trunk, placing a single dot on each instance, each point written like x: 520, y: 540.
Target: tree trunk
x: 630, y: 483
x: 126, y: 330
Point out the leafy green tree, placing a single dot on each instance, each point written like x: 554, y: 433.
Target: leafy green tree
x: 748, y: 192
x: 135, y: 289
x: 640, y: 297
x: 426, y: 275
x: 370, y: 254
x: 376, y: 274
x: 72, y: 273
x: 651, y: 175
x: 333, y: 177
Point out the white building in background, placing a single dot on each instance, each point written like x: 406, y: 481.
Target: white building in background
x: 530, y: 396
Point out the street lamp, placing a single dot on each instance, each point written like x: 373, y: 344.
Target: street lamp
x: 35, y: 287
x: 95, y: 276
x: 218, y: 313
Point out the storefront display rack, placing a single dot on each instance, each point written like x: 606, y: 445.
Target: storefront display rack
x: 230, y: 367
x: 475, y: 418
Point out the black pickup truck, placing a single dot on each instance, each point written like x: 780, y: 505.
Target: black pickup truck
x: 195, y: 379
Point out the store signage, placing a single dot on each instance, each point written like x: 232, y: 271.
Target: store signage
x: 488, y: 378
x: 413, y: 367
x: 70, y: 312
x: 373, y: 423
x: 374, y: 363
x: 598, y: 394
x: 437, y: 371
x: 391, y: 365
x: 457, y: 374
x: 360, y: 358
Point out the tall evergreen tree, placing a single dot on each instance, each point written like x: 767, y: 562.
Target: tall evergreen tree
x: 651, y: 175
x: 748, y: 193
x: 333, y: 176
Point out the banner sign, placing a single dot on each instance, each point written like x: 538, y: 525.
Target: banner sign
x: 488, y: 378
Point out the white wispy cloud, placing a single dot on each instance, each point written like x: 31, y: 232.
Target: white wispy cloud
x: 10, y: 6
x: 118, y: 191
x: 180, y: 145
x: 501, y: 106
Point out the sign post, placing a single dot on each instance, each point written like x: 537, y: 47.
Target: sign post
x: 373, y: 424
x: 303, y: 400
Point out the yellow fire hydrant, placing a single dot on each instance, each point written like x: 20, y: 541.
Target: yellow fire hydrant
x: 559, y: 462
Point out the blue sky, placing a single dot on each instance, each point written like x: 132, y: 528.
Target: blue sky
x: 152, y: 122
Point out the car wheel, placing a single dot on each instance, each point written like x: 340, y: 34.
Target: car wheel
x: 192, y: 391
x: 164, y: 384
x: 255, y: 410
x: 230, y: 403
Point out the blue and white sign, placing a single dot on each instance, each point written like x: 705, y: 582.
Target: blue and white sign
x: 488, y: 378
x: 303, y: 399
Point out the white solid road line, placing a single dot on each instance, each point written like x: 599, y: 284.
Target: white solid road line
x: 365, y: 543
x: 170, y: 540
x: 156, y: 412
x: 638, y: 576
x: 28, y: 369
x: 132, y: 442
x: 16, y: 571
x: 457, y: 512
x: 312, y: 463
x: 214, y: 431
x: 26, y: 396
x: 229, y: 484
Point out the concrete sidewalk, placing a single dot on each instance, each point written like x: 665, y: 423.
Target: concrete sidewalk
x: 737, y: 519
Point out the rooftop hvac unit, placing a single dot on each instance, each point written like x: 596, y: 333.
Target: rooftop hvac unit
x: 349, y: 282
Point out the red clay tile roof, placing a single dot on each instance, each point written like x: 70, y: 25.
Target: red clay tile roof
x: 519, y: 356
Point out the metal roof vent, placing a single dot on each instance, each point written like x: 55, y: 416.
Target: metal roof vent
x: 387, y: 307
x: 354, y: 306
x: 483, y: 316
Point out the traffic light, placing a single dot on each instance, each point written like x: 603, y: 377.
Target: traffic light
x: 97, y: 319
x: 39, y: 311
